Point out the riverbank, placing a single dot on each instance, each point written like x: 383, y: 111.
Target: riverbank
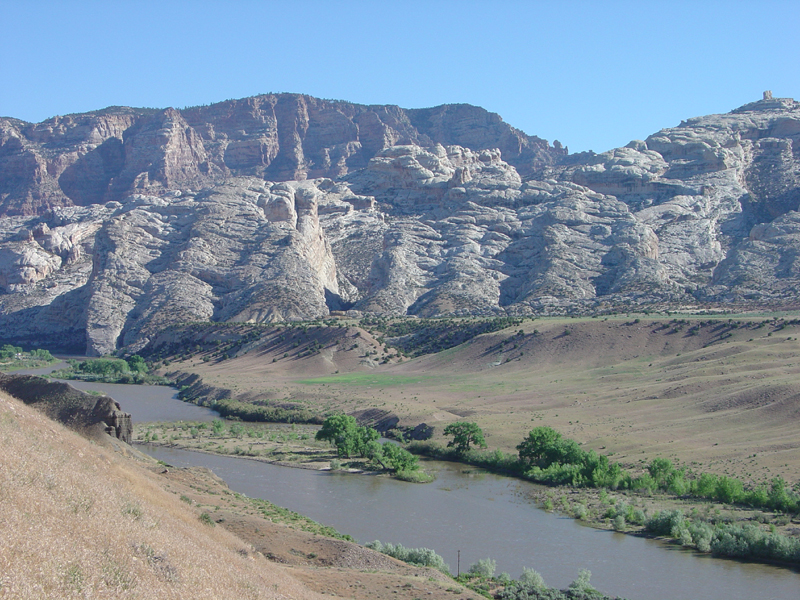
x: 286, y: 445
x: 86, y: 520
x: 722, y: 524
x: 615, y: 510
x: 459, y: 498
x: 717, y: 393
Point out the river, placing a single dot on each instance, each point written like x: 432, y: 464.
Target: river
x: 480, y: 514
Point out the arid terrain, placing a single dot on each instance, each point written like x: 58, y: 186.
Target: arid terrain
x: 94, y: 519
x: 717, y: 393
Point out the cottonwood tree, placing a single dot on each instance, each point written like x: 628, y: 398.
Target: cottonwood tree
x: 343, y: 432
x: 464, y: 434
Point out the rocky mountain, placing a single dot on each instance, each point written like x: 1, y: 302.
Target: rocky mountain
x: 106, y: 155
x: 274, y: 208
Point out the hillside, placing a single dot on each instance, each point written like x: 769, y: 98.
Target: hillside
x: 717, y: 392
x: 79, y: 520
x: 276, y: 208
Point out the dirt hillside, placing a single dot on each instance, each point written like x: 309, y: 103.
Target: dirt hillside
x: 723, y: 393
x: 79, y: 520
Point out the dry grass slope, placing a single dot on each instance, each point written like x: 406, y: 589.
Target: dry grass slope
x: 719, y: 392
x: 80, y: 521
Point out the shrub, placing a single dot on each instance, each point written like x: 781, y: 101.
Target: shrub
x: 581, y: 584
x: 485, y: 568
x: 532, y: 579
x: 423, y: 557
x: 663, y: 523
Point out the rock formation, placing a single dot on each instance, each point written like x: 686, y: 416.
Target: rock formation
x: 103, y: 156
x: 274, y: 208
x: 78, y: 410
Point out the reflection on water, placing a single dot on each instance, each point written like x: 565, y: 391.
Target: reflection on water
x: 485, y: 515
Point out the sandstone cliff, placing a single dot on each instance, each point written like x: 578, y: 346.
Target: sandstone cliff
x: 286, y: 207
x: 96, y: 157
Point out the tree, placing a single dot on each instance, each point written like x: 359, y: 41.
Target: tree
x: 341, y: 431
x: 540, y: 447
x: 366, y: 436
x: 398, y: 458
x: 374, y: 452
x: 9, y: 351
x: 42, y: 354
x: 464, y: 434
x: 660, y: 469
x: 136, y: 364
x: 107, y: 367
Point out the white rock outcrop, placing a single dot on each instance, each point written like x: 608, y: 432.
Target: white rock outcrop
x: 703, y: 212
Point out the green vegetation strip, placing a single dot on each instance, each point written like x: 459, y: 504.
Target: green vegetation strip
x: 547, y: 457
x: 277, y: 514
x: 247, y: 411
x: 14, y: 358
x: 368, y: 379
x: 481, y: 577
x: 133, y: 370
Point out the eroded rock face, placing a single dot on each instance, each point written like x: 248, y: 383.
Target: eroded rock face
x: 381, y: 211
x: 702, y: 186
x: 106, y: 155
x: 78, y: 410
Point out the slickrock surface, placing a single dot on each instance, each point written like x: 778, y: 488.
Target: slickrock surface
x: 274, y: 208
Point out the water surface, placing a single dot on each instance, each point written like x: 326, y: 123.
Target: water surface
x: 149, y: 402
x: 144, y: 402
x: 485, y: 515
x: 480, y: 514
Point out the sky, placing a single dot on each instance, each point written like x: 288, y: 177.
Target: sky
x: 592, y: 74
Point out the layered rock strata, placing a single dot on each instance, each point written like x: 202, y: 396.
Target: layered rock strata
x: 102, y: 156
x: 394, y: 224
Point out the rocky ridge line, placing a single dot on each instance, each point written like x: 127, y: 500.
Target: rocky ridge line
x: 705, y: 212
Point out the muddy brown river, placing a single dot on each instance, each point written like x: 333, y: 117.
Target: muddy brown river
x: 480, y: 514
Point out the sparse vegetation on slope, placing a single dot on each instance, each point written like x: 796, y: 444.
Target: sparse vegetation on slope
x: 80, y: 521
x: 415, y: 337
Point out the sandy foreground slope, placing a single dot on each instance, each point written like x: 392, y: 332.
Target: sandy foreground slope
x: 83, y: 519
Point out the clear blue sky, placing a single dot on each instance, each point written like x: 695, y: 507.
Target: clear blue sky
x: 593, y: 75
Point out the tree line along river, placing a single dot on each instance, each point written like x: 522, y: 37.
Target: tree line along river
x: 479, y: 514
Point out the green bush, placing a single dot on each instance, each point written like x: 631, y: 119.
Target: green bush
x: 423, y: 557
x: 9, y: 351
x: 259, y: 413
x: 724, y: 539
x: 103, y: 366
x: 485, y: 568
